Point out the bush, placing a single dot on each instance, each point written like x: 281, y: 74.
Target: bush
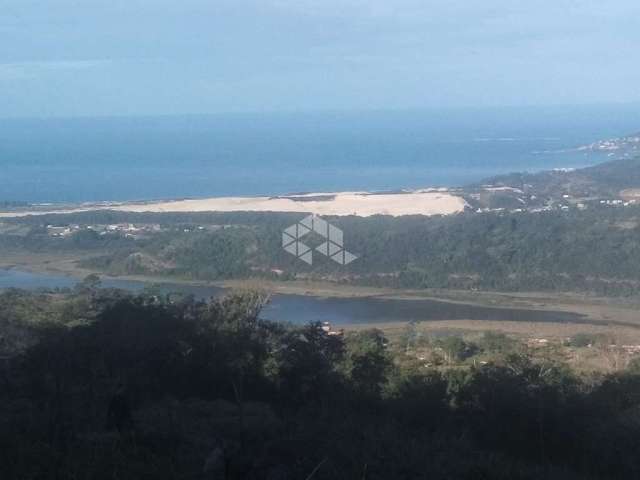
x: 496, y: 342
x: 586, y: 340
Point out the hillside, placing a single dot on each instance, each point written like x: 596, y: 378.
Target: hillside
x: 111, y: 385
x: 609, y: 181
x: 625, y: 146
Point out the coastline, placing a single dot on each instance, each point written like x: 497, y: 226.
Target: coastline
x: 363, y: 204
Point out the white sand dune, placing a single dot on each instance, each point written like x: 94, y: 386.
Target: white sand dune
x: 363, y: 204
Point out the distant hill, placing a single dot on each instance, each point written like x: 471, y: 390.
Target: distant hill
x: 616, y: 179
x: 625, y: 146
x: 605, y: 179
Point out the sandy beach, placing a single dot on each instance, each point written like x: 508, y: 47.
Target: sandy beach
x: 363, y: 204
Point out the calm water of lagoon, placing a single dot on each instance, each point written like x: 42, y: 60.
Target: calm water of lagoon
x: 302, y: 309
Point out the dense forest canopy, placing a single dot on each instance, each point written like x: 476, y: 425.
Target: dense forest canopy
x: 594, y: 250
x: 102, y: 384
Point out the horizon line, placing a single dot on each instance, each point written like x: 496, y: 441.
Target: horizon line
x: 335, y: 111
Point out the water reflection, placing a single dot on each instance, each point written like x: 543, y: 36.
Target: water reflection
x: 303, y: 309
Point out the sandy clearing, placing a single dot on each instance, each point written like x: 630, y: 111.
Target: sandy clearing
x: 346, y: 203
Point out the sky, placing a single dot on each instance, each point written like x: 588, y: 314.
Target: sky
x: 147, y: 57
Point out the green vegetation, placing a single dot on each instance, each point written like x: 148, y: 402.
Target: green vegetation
x: 605, y: 180
x: 497, y: 342
x: 102, y: 384
x: 586, y: 340
x: 568, y: 248
x: 595, y: 250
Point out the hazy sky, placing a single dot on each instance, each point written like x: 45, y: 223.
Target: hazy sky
x: 104, y: 57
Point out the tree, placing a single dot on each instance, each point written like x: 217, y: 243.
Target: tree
x: 496, y: 342
x: 454, y: 348
x: 306, y: 360
x: 367, y: 361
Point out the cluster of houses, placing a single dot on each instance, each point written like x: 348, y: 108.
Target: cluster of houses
x: 618, y: 203
x: 56, y: 231
x: 629, y: 143
x: 127, y: 229
x: 562, y: 206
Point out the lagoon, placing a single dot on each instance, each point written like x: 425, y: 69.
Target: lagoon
x: 302, y: 309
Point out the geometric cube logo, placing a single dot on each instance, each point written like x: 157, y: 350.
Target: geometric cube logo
x: 332, y: 247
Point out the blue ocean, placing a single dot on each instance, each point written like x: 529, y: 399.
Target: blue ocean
x: 145, y: 158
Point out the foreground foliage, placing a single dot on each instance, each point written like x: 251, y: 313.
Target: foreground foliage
x: 131, y: 387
